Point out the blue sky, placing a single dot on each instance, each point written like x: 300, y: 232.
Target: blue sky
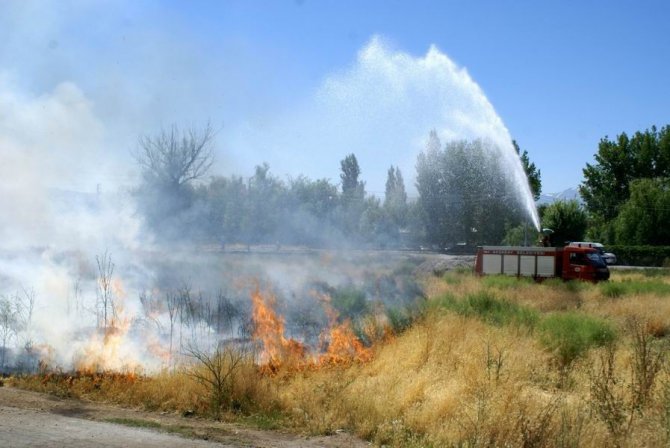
x: 560, y: 75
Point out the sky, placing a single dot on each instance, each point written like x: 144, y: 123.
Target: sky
x: 301, y: 84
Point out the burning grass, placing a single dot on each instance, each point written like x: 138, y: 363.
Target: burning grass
x: 485, y: 363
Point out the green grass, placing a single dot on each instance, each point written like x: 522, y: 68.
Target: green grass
x: 485, y: 306
x: 574, y: 286
x: 631, y: 287
x: 265, y: 421
x: 506, y: 281
x: 570, y: 335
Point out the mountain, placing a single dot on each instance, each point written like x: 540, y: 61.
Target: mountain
x: 565, y: 195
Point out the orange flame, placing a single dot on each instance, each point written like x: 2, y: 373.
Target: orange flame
x: 277, y: 349
x: 109, y: 349
x: 339, y: 341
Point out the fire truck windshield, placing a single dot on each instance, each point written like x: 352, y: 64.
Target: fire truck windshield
x: 596, y: 260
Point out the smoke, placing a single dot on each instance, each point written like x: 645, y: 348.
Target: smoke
x: 71, y: 112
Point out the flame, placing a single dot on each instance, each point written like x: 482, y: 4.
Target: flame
x: 342, y: 345
x: 339, y: 343
x: 269, y: 330
x: 110, y: 349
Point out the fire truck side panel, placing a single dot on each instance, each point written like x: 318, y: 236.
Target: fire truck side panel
x: 511, y: 264
x: 546, y: 266
x: 492, y: 264
x: 527, y: 265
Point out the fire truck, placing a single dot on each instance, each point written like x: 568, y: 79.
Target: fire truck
x: 568, y: 263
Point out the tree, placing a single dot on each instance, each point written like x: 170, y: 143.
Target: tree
x: 567, y: 219
x: 174, y: 157
x: 9, y: 319
x: 533, y: 174
x: 606, y: 185
x: 644, y: 217
x: 395, y: 206
x: 464, y: 193
x: 353, y: 195
x: 352, y: 188
x: 171, y: 162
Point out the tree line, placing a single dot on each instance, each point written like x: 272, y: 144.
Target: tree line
x: 465, y: 197
x: 625, y: 194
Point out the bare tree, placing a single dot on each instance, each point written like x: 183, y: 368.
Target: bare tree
x: 175, y: 157
x: 218, y: 371
x: 173, y: 306
x: 106, y: 306
x: 8, y: 326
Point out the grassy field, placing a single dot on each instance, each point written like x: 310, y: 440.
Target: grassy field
x: 490, y: 361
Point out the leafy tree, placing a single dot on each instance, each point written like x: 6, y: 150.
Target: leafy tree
x: 352, y: 188
x: 464, y: 193
x: 353, y: 196
x: 644, y: 217
x: 567, y: 219
x: 265, y: 194
x: 226, y: 199
x: 606, y: 185
x: 533, y: 174
x: 431, y: 184
x: 395, y: 207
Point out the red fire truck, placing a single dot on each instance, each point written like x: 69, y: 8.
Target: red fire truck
x: 567, y: 262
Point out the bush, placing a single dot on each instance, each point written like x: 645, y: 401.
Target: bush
x: 570, y: 335
x: 350, y: 302
x: 641, y: 255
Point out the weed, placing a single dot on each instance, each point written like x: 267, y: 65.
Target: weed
x: 265, y: 421
x: 400, y: 319
x: 536, y: 428
x: 452, y: 278
x: 495, y: 360
x: 570, y: 335
x: 350, y: 302
x: 490, y: 309
x: 607, y: 396
x: 647, y: 360
x: 612, y: 289
x: 631, y: 287
x: 571, y: 428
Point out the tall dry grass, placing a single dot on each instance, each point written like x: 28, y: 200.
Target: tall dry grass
x: 456, y: 377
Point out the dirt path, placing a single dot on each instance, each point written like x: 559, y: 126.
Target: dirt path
x: 29, y: 419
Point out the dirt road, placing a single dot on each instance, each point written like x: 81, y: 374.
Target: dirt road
x: 29, y: 419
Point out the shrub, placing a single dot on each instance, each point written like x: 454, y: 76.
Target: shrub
x: 350, y: 302
x: 612, y: 289
x: 570, y: 335
x: 641, y: 255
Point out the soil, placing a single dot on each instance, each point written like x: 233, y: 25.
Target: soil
x: 31, y: 405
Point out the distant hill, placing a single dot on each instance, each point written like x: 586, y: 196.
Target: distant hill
x: 565, y: 195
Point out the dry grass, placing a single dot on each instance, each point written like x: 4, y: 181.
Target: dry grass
x: 456, y: 380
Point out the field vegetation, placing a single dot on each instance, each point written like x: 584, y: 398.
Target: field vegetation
x: 483, y: 362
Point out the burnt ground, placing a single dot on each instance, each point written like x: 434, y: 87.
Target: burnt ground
x: 32, y: 419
